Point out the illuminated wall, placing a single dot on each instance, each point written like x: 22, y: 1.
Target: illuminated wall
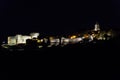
x: 97, y: 27
x: 20, y: 39
x: 12, y: 40
x: 34, y: 35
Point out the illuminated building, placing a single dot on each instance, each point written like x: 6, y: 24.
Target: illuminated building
x: 54, y: 41
x: 21, y: 39
x: 34, y: 35
x: 73, y: 37
x: 88, y: 36
x: 65, y: 41
x: 97, y: 27
x: 91, y: 38
x: 12, y: 40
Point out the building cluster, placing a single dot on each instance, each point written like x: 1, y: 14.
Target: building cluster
x: 21, y: 39
x: 34, y: 38
x: 98, y: 34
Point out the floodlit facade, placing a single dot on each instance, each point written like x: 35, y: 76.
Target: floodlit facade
x: 97, y: 27
x: 21, y: 39
x: 34, y: 35
x: 12, y: 40
x: 54, y: 41
x: 89, y: 36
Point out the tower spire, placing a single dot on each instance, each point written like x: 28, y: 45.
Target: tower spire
x: 97, y: 27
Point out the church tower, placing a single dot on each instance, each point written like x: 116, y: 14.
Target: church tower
x: 97, y: 27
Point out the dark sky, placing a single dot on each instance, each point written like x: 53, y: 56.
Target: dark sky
x: 56, y: 17
x: 3, y: 75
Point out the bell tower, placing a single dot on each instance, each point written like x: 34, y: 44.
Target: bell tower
x: 97, y: 27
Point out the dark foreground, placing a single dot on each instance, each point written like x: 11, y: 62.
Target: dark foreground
x: 94, y: 61
x: 101, y: 51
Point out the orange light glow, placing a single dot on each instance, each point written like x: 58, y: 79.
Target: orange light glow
x: 73, y: 37
x: 86, y: 36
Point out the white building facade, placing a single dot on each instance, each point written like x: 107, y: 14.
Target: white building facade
x: 97, y: 27
x: 21, y: 39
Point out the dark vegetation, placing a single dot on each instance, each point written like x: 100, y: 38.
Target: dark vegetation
x: 101, y: 57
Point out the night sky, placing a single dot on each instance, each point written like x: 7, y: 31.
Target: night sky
x: 56, y: 17
x: 4, y: 75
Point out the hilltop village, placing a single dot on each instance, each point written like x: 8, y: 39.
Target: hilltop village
x: 34, y: 40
